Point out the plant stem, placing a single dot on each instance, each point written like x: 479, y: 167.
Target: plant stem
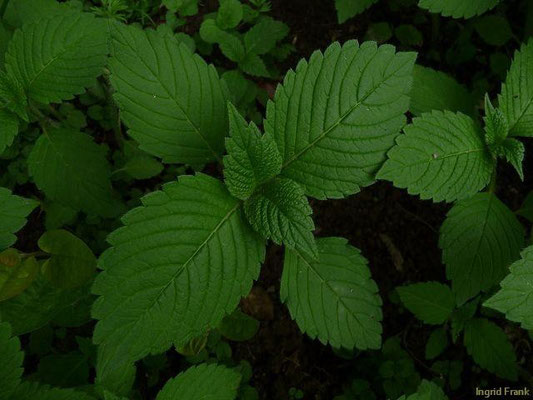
x: 3, y: 8
x: 493, y: 179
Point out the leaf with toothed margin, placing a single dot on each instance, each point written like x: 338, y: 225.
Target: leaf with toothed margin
x: 13, y: 213
x: 440, y: 156
x: 334, y: 298
x: 180, y: 263
x: 431, y: 302
x: 335, y: 117
x: 347, y: 9
x: 11, y: 365
x: 458, y: 8
x: 173, y: 103
x: 9, y: 128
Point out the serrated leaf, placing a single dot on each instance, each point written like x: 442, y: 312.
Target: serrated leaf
x: 16, y: 274
x: 252, y: 158
x: 205, y: 381
x: 5, y: 37
x: 73, y: 170
x: 515, y: 298
x: 436, y: 344
x: 347, y: 9
x: 72, y: 263
x: 172, y: 101
x: 21, y: 12
x: 335, y: 118
x: 13, y: 213
x: 516, y: 98
x: 229, y: 14
x: 490, y: 348
x: 441, y: 156
x: 254, y: 65
x: 180, y: 263
x: 431, y: 302
x: 34, y: 391
x: 428, y: 391
x: 333, y: 299
x: 458, y: 8
x: 68, y: 53
x: 279, y: 211
x: 479, y: 239
x: 461, y: 316
x: 496, y: 126
x: 514, y: 152
x: 435, y: 90
x: 264, y: 35
x: 11, y: 365
x: 12, y: 96
x: 9, y: 127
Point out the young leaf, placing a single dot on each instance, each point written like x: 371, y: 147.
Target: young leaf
x: 9, y: 127
x: 11, y: 365
x: 238, y: 326
x: 461, y: 316
x: 63, y: 159
x: 480, y: 238
x: 435, y: 90
x: 431, y: 302
x: 440, y: 156
x: 13, y: 213
x: 335, y: 298
x: 458, y: 8
x: 513, y: 151
x: 180, y: 263
x: 254, y: 65
x: 436, y: 344
x: 337, y: 115
x: 496, y: 126
x: 229, y: 14
x: 490, y: 348
x: 252, y: 158
x: 16, y: 274
x: 427, y: 391
x: 515, y: 298
x: 72, y: 263
x: 516, y: 98
x: 67, y: 53
x: 172, y: 101
x: 262, y: 37
x: 205, y: 381
x: 347, y: 9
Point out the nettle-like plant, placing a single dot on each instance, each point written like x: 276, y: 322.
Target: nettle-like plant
x: 447, y: 156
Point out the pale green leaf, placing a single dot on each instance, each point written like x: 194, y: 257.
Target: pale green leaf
x: 347, y: 9
x: 441, y: 156
x: 181, y: 262
x: 67, y: 53
x: 11, y: 365
x: 13, y: 213
x: 480, y: 238
x: 73, y: 170
x: 72, y: 263
x: 9, y: 127
x: 490, y: 348
x: 252, y: 158
x: 431, y: 302
x: 515, y: 298
x: 205, y: 381
x: 263, y: 36
x: 279, y: 211
x: 172, y: 101
x: 458, y: 8
x: 516, y: 98
x: 16, y: 274
x: 435, y: 90
x: 335, y: 298
x: 335, y: 118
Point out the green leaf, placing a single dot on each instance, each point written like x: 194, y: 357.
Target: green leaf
x: 435, y: 90
x: 431, y: 302
x: 34, y: 391
x: 21, y: 12
x: 12, y: 96
x: 409, y: 35
x: 205, y: 381
x: 13, y: 213
x: 440, y: 156
x: 181, y: 262
x: 513, y: 151
x: 279, y: 211
x: 64, y: 370
x: 254, y: 65
x: 458, y: 8
x: 516, y: 98
x: 16, y: 274
x: 9, y: 128
x: 238, y: 326
x: 143, y: 167
x: 230, y: 45
x: 64, y: 159
x: 490, y: 348
x: 229, y: 14
x: 67, y: 54
x: 436, y: 344
x: 494, y: 30
x: 11, y: 365
x: 252, y: 158
x: 335, y: 118
x: 461, y: 316
x: 526, y: 209
x: 72, y: 263
x: 515, y: 298
x: 428, y: 391
x: 263, y: 36
x: 5, y: 37
x: 335, y: 298
x: 479, y: 239
x: 172, y: 101
x: 496, y: 126
x: 347, y: 9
